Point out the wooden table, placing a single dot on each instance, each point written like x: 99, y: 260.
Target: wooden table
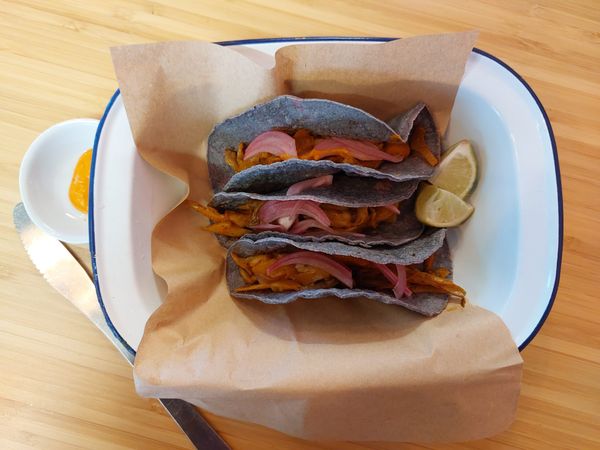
x: 63, y: 386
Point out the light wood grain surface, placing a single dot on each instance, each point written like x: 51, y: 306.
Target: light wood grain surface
x: 63, y: 386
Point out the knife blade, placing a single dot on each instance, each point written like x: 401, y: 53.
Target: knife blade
x: 65, y: 274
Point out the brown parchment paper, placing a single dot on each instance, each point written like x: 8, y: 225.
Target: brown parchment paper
x: 332, y: 370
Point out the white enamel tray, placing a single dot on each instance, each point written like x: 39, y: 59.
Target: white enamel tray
x: 507, y: 256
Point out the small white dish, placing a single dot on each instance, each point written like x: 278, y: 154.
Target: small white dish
x: 45, y: 176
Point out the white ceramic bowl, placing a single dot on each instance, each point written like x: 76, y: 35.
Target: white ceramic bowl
x: 507, y: 256
x: 45, y: 176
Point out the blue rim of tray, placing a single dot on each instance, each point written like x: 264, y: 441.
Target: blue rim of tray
x: 350, y: 39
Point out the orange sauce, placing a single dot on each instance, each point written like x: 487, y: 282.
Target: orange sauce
x: 80, y: 183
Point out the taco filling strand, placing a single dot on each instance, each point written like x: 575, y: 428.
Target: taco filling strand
x: 296, y: 217
x: 275, y: 146
x: 300, y: 270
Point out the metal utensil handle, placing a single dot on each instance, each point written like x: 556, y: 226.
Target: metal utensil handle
x: 65, y: 274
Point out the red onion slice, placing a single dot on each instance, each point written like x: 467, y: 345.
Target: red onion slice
x: 361, y: 150
x: 303, y: 225
x: 296, y: 188
x: 287, y: 221
x: 318, y: 260
x: 392, y: 278
x: 401, y: 287
x: 275, y: 142
x: 398, y: 280
x: 392, y: 208
x: 275, y: 209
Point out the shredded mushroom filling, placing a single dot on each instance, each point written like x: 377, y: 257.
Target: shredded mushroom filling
x: 246, y: 218
x: 276, y: 146
x: 265, y: 272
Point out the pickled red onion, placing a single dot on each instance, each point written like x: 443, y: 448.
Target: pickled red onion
x: 296, y: 188
x: 387, y: 273
x: 302, y: 225
x: 398, y: 280
x: 275, y: 209
x: 401, y: 287
x: 392, y: 208
x: 287, y: 221
x: 275, y: 142
x: 361, y: 150
x: 317, y: 260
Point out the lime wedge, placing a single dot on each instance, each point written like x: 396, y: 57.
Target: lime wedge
x: 457, y: 171
x: 439, y: 208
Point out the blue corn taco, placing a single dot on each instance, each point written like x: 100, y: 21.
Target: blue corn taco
x: 354, y: 210
x: 290, y: 139
x: 417, y: 275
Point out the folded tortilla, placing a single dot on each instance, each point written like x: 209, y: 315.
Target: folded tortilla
x: 374, y: 225
x: 323, y: 118
x: 344, y: 190
x: 410, y: 255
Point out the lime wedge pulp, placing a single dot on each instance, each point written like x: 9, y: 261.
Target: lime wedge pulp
x: 440, y: 208
x: 457, y: 171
